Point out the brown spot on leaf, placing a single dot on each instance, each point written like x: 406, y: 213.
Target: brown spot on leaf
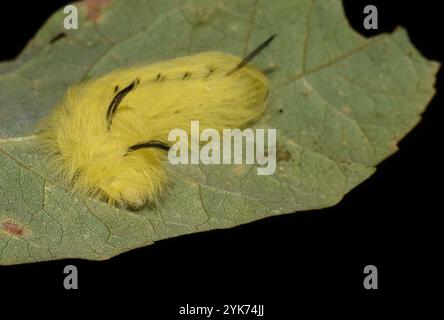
x: 346, y: 109
x: 282, y: 154
x: 393, y: 145
x: 240, y: 169
x: 95, y: 8
x: 12, y: 228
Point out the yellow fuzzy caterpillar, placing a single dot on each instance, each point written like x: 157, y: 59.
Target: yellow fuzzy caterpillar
x: 109, y: 136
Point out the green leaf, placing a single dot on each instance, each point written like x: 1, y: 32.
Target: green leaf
x: 340, y: 102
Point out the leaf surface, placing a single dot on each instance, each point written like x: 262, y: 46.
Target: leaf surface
x: 340, y: 103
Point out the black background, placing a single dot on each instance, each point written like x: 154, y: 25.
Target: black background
x: 390, y: 221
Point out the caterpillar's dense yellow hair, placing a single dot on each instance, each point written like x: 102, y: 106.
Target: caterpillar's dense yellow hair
x: 90, y: 132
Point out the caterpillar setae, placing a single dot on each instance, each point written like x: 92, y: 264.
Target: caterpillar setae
x: 107, y: 138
